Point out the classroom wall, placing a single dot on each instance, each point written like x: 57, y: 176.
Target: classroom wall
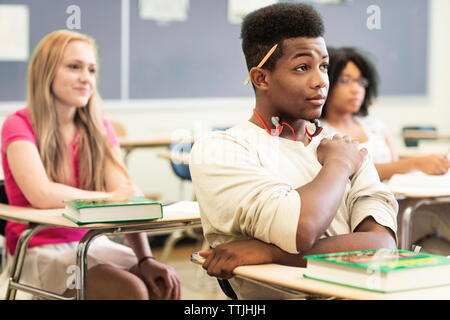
x: 145, y: 117
x: 146, y: 59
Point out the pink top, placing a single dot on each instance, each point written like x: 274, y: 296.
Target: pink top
x: 17, y: 126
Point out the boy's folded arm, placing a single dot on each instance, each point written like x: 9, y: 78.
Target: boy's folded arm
x: 370, y: 198
x: 222, y: 260
x: 320, y: 201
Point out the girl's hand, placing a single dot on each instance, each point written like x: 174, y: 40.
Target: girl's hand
x: 435, y: 164
x: 162, y: 280
x: 125, y: 190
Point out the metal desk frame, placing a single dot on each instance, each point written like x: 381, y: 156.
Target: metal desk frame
x: 81, y: 261
x: 406, y: 216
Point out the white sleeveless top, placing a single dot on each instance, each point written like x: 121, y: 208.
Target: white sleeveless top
x: 376, y: 133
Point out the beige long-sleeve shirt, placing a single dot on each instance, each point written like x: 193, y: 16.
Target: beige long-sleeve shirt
x: 245, y: 181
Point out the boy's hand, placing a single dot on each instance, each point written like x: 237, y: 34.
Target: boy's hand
x: 342, y: 151
x: 221, y: 261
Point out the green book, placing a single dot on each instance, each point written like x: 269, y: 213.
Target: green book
x: 82, y: 211
x: 382, y: 270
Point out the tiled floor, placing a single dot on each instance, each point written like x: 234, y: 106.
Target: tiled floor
x: 196, y: 284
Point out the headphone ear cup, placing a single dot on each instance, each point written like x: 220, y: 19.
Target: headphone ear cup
x: 317, y: 132
x: 318, y: 127
x: 276, y: 121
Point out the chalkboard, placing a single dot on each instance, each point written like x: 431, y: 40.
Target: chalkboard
x: 202, y: 56
x: 99, y: 18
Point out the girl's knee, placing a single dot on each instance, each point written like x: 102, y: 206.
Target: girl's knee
x: 138, y: 289
x: 107, y: 282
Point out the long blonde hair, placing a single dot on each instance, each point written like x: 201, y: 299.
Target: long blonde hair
x: 94, y: 148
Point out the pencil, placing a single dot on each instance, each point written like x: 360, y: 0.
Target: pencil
x: 266, y: 57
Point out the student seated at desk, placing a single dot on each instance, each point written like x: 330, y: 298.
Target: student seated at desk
x: 276, y: 196
x: 353, y: 88
x: 60, y: 148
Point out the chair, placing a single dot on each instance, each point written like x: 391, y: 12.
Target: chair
x: 227, y: 289
x: 181, y: 170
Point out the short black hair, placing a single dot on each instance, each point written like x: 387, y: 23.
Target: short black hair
x: 265, y: 27
x: 339, y: 57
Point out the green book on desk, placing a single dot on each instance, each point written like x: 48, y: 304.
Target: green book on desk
x: 382, y: 270
x: 82, y: 211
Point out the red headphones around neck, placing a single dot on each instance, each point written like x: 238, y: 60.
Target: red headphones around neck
x: 279, y: 127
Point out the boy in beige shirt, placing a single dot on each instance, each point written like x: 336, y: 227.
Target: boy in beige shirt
x: 267, y: 191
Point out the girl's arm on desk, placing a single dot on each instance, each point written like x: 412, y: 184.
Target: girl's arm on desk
x: 430, y: 164
x: 434, y: 164
x: 29, y: 173
x: 42, y: 193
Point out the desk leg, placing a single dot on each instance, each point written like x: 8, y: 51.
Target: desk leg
x: 127, y: 152
x: 83, y: 246
x: 19, y: 256
x: 413, y: 204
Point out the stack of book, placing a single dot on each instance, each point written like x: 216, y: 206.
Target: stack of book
x: 82, y: 211
x: 382, y: 270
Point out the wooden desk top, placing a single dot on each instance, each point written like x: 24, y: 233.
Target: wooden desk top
x: 424, y: 134
x: 442, y: 196
x: 420, y: 185
x: 292, y: 277
x: 53, y: 217
x: 152, y: 142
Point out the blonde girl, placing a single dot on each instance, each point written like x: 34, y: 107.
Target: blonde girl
x: 60, y: 147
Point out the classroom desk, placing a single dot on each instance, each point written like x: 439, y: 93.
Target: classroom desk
x: 417, y: 189
x: 425, y: 134
x: 156, y: 141
x: 291, y: 279
x: 38, y: 219
x: 414, y: 201
x: 180, y: 157
x: 424, y: 150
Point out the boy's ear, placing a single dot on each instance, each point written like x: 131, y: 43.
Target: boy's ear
x: 259, y: 78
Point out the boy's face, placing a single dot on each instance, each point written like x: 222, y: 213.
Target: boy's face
x: 298, y: 85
